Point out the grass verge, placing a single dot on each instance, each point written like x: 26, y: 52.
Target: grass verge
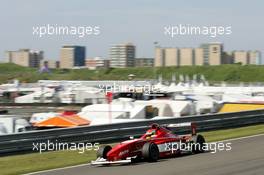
x: 212, y: 136
x: 228, y: 73
x: 19, y: 164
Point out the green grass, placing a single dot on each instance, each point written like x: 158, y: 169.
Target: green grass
x: 19, y: 164
x: 228, y: 73
x: 233, y: 133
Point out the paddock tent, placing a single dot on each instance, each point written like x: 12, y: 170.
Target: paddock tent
x: 63, y: 122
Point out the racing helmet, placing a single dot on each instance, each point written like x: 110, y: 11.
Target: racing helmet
x: 152, y: 132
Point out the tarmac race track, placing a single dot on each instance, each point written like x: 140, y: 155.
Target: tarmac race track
x: 245, y: 158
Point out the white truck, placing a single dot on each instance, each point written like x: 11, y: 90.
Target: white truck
x: 10, y: 125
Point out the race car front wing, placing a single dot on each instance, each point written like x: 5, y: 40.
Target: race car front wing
x: 102, y: 161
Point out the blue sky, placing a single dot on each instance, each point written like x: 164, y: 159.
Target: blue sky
x: 139, y: 21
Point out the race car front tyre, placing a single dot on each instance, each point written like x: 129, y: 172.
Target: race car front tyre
x: 102, y: 151
x: 150, y: 152
x: 198, y: 144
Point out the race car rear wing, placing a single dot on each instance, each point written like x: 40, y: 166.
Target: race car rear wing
x: 191, y: 124
x: 193, y: 128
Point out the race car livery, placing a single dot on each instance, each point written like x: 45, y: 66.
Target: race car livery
x: 158, y: 142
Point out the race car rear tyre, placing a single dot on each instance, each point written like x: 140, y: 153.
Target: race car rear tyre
x: 150, y: 152
x: 102, y: 151
x: 198, y: 146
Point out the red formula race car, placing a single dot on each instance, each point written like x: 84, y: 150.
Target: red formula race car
x: 158, y: 142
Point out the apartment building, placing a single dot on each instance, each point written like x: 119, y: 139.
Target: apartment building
x: 25, y: 57
x: 247, y: 57
x: 212, y: 53
x: 175, y: 57
x: 144, y: 62
x: 207, y: 54
x: 97, y: 62
x: 72, y: 56
x: 122, y: 55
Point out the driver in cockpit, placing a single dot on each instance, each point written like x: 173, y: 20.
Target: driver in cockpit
x: 151, y: 133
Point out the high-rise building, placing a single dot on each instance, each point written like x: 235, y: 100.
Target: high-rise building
x: 25, y: 57
x: 199, y: 56
x: 241, y: 57
x: 187, y: 57
x: 206, y: 54
x: 144, y: 62
x: 212, y: 53
x: 159, y: 60
x: 247, y: 57
x: 166, y: 57
x: 171, y: 57
x: 72, y: 56
x: 174, y: 57
x: 255, y: 57
x: 97, y: 62
x: 122, y: 55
